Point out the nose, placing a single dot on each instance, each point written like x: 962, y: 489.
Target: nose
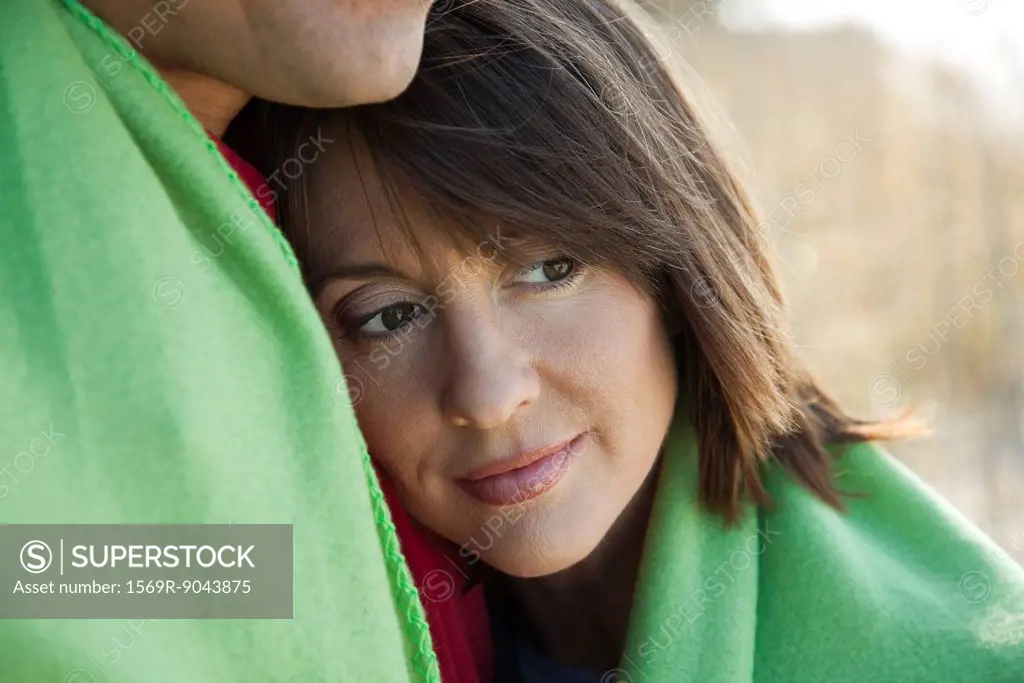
x: 491, y: 373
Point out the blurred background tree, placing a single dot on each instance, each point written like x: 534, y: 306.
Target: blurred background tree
x: 902, y: 256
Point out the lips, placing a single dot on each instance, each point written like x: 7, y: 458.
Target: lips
x: 523, y: 478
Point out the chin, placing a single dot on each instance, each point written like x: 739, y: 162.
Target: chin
x: 379, y: 71
x: 531, y: 565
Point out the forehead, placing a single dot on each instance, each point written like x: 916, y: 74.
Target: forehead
x: 354, y: 214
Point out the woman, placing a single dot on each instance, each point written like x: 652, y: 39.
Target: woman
x: 568, y: 352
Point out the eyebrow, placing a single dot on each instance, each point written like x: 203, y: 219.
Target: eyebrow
x: 513, y: 253
x: 355, y: 271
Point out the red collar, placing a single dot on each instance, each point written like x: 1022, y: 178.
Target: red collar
x: 248, y: 173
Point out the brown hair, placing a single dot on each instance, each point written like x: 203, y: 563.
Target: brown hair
x: 558, y: 118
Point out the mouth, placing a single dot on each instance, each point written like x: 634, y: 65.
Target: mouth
x: 524, y: 477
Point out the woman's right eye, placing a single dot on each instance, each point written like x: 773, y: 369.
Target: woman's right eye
x: 386, y: 321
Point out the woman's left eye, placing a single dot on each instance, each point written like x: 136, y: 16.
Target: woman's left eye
x: 548, y: 272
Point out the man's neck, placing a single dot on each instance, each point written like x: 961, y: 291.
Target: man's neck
x: 212, y: 102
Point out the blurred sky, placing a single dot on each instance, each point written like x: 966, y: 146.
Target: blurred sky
x: 982, y: 38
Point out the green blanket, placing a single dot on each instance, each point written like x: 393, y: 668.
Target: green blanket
x: 160, y: 362
x: 899, y: 589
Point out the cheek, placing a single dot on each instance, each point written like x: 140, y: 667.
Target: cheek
x: 391, y: 406
x: 398, y: 420
x: 607, y: 351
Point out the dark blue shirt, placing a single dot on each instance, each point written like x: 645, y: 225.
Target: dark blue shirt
x: 517, y: 660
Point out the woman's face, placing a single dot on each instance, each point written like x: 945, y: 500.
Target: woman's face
x: 517, y: 408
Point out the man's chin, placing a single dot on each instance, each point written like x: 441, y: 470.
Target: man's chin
x: 335, y: 69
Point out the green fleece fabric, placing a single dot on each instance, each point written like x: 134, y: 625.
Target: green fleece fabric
x: 160, y: 362
x: 899, y: 588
